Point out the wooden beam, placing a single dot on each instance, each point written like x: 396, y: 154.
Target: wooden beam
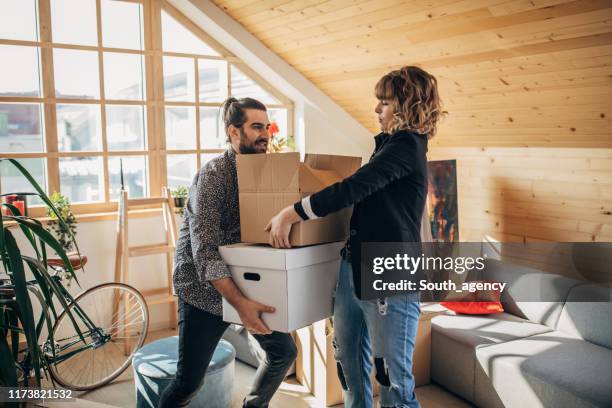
x: 48, y: 84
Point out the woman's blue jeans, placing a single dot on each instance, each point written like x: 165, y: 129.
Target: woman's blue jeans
x: 382, y: 330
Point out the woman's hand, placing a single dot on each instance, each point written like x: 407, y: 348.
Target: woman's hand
x: 280, y: 227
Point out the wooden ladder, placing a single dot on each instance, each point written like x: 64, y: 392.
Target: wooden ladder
x: 124, y: 251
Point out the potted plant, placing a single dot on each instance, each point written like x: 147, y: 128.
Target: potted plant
x: 16, y: 312
x: 180, y: 195
x: 278, y: 144
x: 64, y: 232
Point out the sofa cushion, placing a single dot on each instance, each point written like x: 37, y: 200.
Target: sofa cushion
x: 481, y: 330
x: 587, y: 314
x: 452, y: 365
x: 531, y: 294
x: 546, y: 370
x: 454, y: 338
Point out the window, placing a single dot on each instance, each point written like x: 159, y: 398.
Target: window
x: 22, y: 76
x: 21, y: 127
x: 67, y: 29
x: 86, y: 99
x: 18, y: 20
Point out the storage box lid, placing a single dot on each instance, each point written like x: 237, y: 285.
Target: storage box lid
x: 266, y: 257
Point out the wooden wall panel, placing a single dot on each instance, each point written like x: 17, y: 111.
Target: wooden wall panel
x: 531, y: 194
x: 500, y: 63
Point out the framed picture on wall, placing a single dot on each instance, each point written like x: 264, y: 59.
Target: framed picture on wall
x: 442, y: 200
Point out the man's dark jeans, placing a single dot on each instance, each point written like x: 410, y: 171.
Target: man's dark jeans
x: 199, y: 333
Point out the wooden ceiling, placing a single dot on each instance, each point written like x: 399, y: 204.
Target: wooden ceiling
x: 511, y: 72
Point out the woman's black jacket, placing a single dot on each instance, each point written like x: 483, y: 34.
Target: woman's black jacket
x: 388, y: 194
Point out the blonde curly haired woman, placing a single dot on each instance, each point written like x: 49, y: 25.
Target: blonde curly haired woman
x: 388, y: 194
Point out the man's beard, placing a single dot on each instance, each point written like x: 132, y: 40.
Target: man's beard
x: 248, y: 147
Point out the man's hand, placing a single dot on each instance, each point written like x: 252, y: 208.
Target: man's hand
x: 280, y: 227
x: 249, y: 310
x: 250, y: 313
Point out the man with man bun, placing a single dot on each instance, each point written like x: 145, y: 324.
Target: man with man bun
x: 201, y: 278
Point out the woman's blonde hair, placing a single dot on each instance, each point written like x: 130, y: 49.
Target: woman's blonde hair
x: 413, y: 93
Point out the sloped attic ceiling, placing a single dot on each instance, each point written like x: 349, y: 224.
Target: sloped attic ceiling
x: 511, y: 72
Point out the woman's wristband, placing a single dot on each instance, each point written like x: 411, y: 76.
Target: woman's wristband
x: 299, y: 209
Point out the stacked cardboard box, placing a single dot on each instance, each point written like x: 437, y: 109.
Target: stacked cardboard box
x: 315, y: 366
x: 267, y: 183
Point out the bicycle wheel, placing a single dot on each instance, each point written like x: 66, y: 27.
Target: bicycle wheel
x: 120, y: 322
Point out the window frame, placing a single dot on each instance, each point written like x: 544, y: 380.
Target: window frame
x: 154, y: 105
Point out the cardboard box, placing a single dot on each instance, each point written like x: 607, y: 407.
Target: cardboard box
x: 315, y: 366
x: 317, y: 370
x: 298, y: 282
x: 267, y: 183
x: 421, y: 359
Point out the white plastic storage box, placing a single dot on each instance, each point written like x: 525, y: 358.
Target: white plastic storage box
x: 298, y: 282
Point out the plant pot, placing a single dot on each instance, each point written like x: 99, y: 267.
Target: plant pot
x: 19, y: 201
x: 179, y: 202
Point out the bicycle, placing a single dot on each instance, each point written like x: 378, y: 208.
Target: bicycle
x: 109, y: 340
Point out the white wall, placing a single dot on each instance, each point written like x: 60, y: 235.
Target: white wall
x: 322, y: 136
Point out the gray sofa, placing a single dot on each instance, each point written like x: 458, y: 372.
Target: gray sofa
x: 553, y: 353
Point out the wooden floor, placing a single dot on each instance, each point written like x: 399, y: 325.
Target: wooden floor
x: 121, y: 393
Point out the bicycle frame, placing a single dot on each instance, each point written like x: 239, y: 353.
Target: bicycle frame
x: 77, y: 312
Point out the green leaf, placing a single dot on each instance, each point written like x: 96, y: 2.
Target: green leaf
x: 43, y: 285
x: 8, y: 371
x: 49, y: 240
x: 42, y: 195
x: 23, y: 300
x: 13, y: 321
x: 55, y: 287
x: 3, y: 310
x: 45, y: 300
x: 3, y: 247
x: 24, y: 229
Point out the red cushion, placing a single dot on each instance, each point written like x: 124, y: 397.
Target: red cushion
x: 479, y: 302
x: 474, y: 307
